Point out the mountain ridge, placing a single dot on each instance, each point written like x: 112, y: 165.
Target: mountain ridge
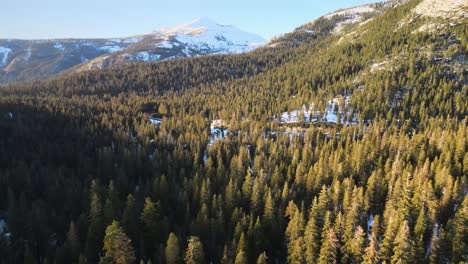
x: 26, y: 60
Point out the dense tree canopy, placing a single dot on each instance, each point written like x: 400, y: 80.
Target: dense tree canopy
x: 85, y: 177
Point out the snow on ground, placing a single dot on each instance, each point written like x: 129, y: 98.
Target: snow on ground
x: 217, y: 133
x: 28, y: 54
x: 204, y: 34
x: 441, y: 8
x: 308, y: 31
x: 352, y: 11
x: 165, y: 44
x: 83, y: 58
x: 4, y: 52
x: 218, y: 130
x: 146, y: 56
x: 370, y: 221
x: 330, y: 114
x: 131, y: 40
x: 155, y: 120
x: 59, y: 46
x: 111, y: 48
x: 378, y: 66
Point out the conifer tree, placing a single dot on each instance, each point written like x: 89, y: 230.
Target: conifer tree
x: 403, y: 251
x: 194, y: 253
x: 173, y: 254
x: 460, y: 233
x: 371, y: 252
x: 96, y: 228
x: 262, y: 258
x: 328, y: 251
x: 117, y: 245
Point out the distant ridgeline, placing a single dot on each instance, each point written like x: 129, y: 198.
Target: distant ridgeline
x: 26, y: 60
x: 344, y: 141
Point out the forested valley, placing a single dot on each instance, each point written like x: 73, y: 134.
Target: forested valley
x: 86, y: 177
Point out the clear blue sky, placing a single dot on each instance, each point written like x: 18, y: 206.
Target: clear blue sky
x: 41, y: 19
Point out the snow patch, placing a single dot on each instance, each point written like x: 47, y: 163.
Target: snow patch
x: 28, y: 54
x: 59, y: 46
x: 4, y: 52
x: 218, y: 130
x: 131, y: 40
x: 146, y: 56
x: 165, y: 44
x: 110, y: 49
x: 351, y: 11
x: 370, y: 221
x: 83, y: 58
x: 155, y: 120
x: 378, y: 66
x: 331, y: 113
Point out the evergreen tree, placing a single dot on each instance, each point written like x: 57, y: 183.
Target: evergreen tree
x: 194, y: 253
x: 328, y: 251
x: 117, y: 246
x: 403, y: 251
x: 460, y: 233
x: 262, y: 259
x: 173, y: 250
x: 95, y: 230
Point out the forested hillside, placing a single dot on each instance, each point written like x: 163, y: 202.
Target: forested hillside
x: 337, y: 148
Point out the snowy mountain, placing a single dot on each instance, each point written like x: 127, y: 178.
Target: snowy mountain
x: 25, y: 60
x: 199, y: 37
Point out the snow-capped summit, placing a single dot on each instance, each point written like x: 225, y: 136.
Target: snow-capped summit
x: 192, y: 27
x: 203, y: 33
x: 199, y: 37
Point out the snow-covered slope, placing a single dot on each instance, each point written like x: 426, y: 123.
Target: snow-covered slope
x: 203, y: 33
x: 23, y: 60
x: 198, y: 37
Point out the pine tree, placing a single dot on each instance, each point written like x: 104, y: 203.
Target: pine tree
x: 328, y: 252
x: 194, y: 253
x: 72, y: 242
x: 357, y: 245
x: 312, y: 237
x: 130, y: 218
x: 247, y: 187
x: 117, y: 245
x: 459, y: 228
x: 295, y: 234
x: 262, y: 259
x: 420, y: 234
x: 241, y: 244
x: 403, y: 251
x: 95, y: 230
x: 173, y: 250
x: 241, y: 258
x: 371, y: 253
x: 151, y: 226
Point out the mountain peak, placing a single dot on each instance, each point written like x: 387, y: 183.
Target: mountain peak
x: 194, y: 26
